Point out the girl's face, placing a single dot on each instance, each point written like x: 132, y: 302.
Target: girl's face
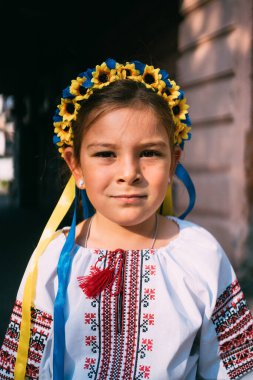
x: 125, y: 161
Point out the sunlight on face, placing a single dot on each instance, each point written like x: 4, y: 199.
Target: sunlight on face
x: 125, y: 160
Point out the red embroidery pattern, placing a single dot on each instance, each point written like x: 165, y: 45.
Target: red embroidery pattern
x: 91, y: 319
x: 144, y: 372
x: 146, y: 345
x: 117, y: 324
x: 41, y: 325
x: 150, y: 270
x: 234, y: 327
x: 132, y: 309
x: 91, y: 341
x: 149, y: 295
x: 148, y: 320
x: 90, y: 364
x: 107, y: 335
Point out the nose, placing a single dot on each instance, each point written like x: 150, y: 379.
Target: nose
x: 129, y: 171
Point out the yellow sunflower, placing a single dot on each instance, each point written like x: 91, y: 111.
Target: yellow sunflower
x: 128, y: 71
x: 68, y: 109
x: 79, y: 91
x: 179, y: 110
x: 182, y: 134
x: 61, y: 149
x: 171, y: 93
x: 103, y: 76
x: 152, y: 78
x: 64, y: 131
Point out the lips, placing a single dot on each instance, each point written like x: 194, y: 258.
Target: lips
x: 129, y: 199
x: 129, y: 196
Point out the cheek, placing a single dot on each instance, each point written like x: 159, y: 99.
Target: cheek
x: 160, y: 185
x: 157, y: 173
x: 96, y: 179
x: 92, y: 181
x: 90, y: 171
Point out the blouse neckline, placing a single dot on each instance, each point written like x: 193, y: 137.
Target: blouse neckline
x: 170, y: 244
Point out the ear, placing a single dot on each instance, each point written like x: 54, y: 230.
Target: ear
x: 175, y: 159
x: 74, y: 166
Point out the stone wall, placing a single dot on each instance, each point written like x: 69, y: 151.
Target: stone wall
x: 214, y: 70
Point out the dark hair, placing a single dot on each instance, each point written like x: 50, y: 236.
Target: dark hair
x: 120, y: 94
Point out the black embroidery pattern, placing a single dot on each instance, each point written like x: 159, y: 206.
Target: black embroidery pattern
x: 40, y: 328
x: 234, y: 327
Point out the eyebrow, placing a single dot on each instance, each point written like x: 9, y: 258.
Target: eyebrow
x: 101, y: 145
x: 155, y: 144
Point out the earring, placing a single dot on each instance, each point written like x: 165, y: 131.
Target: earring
x: 169, y: 180
x: 81, y: 183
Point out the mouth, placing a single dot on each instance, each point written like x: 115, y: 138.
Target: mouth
x: 129, y: 196
x: 129, y: 199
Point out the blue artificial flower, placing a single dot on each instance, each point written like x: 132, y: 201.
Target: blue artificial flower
x: 182, y: 145
x: 187, y: 120
x: 87, y: 74
x: 87, y: 84
x: 181, y: 95
x: 66, y: 94
x: 189, y: 136
x: 110, y: 63
x: 81, y: 75
x: 165, y: 78
x: 56, y: 139
x: 57, y: 117
x: 139, y: 66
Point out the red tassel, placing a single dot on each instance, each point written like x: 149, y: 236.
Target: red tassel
x: 97, y: 281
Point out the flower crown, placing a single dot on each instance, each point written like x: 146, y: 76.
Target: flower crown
x: 110, y: 71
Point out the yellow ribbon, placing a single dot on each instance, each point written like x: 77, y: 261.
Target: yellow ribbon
x: 48, y: 234
x: 167, y: 208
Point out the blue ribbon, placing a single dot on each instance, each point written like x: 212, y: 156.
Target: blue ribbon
x: 63, y: 270
x: 88, y: 209
x: 183, y: 175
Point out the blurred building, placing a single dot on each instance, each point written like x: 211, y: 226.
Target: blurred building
x: 6, y: 146
x: 214, y: 67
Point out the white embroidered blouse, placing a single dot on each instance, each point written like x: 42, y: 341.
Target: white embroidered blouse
x: 181, y: 316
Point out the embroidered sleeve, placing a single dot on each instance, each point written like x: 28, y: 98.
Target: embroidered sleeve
x: 226, y: 344
x: 234, y: 329
x: 41, y: 319
x: 40, y: 331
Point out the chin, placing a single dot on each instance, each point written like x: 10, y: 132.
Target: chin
x: 128, y: 220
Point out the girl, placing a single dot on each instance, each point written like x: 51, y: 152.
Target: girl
x: 127, y: 293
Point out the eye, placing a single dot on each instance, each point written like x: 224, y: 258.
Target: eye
x: 105, y: 154
x: 151, y: 153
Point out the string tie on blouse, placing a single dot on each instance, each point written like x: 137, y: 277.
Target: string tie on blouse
x: 100, y: 279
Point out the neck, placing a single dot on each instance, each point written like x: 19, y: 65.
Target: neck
x: 106, y: 233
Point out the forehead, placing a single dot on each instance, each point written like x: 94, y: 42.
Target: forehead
x: 128, y: 122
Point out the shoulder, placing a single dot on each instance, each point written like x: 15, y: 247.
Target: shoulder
x: 48, y: 259
x: 199, y: 252
x: 55, y: 246
x: 196, y: 237
x: 51, y: 252
x: 199, y: 261
x: 46, y: 273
